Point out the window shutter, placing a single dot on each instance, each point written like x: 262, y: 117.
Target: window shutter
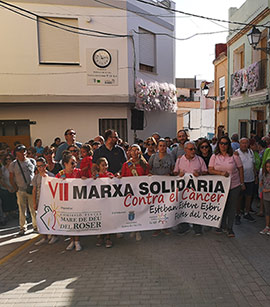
x: 56, y: 45
x: 147, y: 48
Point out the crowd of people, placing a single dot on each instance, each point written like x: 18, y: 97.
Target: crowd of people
x: 245, y: 161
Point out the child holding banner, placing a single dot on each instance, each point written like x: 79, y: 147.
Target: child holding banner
x: 36, y: 182
x: 86, y: 163
x: 265, y: 184
x: 69, y: 171
x: 102, y: 172
x: 135, y: 166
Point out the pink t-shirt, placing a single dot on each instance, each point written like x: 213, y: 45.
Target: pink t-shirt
x: 228, y: 164
x: 189, y: 166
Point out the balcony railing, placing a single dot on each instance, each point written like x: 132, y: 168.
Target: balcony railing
x: 250, y: 79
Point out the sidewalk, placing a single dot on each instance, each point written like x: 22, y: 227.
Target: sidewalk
x: 10, y: 241
x: 210, y: 270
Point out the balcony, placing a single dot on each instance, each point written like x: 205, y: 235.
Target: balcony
x: 250, y: 79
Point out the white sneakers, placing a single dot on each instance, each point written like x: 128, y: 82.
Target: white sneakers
x: 53, y: 240
x: 137, y: 235
x: 75, y: 244
x: 40, y: 242
x: 78, y: 246
x: 265, y: 231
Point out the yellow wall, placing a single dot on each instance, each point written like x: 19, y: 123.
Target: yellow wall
x: 221, y: 68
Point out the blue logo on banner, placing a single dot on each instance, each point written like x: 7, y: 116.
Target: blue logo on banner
x: 131, y: 215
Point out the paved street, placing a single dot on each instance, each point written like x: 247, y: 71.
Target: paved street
x: 211, y: 270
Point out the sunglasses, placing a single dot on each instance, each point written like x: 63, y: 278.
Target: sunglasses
x: 224, y: 143
x: 150, y: 144
x: 73, y: 163
x: 204, y: 147
x: 71, y: 133
x: 74, y: 150
x: 191, y: 149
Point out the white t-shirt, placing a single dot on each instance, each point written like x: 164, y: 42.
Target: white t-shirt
x: 248, y: 161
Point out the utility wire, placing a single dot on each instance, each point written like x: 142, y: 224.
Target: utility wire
x: 77, y: 30
x: 199, y: 16
x: 135, y: 12
x: 13, y: 8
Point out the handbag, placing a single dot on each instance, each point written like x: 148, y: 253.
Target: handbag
x: 29, y: 188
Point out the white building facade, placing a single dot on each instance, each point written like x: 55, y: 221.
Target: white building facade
x: 77, y: 67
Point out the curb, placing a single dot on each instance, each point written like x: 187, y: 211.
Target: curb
x: 18, y: 250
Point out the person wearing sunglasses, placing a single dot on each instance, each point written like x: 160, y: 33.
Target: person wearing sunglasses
x: 190, y: 163
x: 70, y: 171
x: 204, y: 150
x: 70, y: 136
x: 225, y: 163
x: 151, y: 146
x: 75, y: 151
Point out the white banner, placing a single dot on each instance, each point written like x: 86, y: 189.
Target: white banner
x: 104, y: 205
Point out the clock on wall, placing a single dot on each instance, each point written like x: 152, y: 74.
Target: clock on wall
x: 102, y: 58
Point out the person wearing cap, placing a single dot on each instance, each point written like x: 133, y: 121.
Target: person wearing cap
x: 70, y: 136
x: 21, y: 173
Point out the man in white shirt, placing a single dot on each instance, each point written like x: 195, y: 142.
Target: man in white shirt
x: 247, y: 157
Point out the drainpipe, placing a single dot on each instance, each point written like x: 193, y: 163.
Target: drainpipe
x: 228, y: 89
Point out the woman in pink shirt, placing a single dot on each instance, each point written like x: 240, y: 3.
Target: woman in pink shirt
x: 225, y: 163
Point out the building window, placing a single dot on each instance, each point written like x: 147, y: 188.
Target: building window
x: 117, y: 124
x: 12, y: 131
x: 57, y: 46
x: 147, y: 51
x: 239, y: 58
x: 221, y: 90
x: 243, y: 128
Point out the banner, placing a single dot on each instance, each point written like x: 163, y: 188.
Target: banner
x: 104, y: 205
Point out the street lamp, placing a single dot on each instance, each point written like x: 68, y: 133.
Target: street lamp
x: 254, y: 37
x: 205, y: 91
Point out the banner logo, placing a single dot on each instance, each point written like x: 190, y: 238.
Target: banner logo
x: 131, y: 215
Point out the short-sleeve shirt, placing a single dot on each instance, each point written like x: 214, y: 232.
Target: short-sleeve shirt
x: 190, y: 166
x: 177, y: 152
x: 104, y: 175
x: 266, y: 185
x: 63, y: 147
x: 235, y: 145
x: 160, y: 166
x: 127, y: 170
x: 86, y: 162
x: 228, y: 164
x: 75, y: 174
x: 248, y: 162
x: 116, y: 157
x: 28, y: 167
x: 39, y: 150
x: 57, y: 168
x: 36, y: 182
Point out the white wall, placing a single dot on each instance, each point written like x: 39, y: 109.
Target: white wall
x: 19, y: 53
x: 53, y: 120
